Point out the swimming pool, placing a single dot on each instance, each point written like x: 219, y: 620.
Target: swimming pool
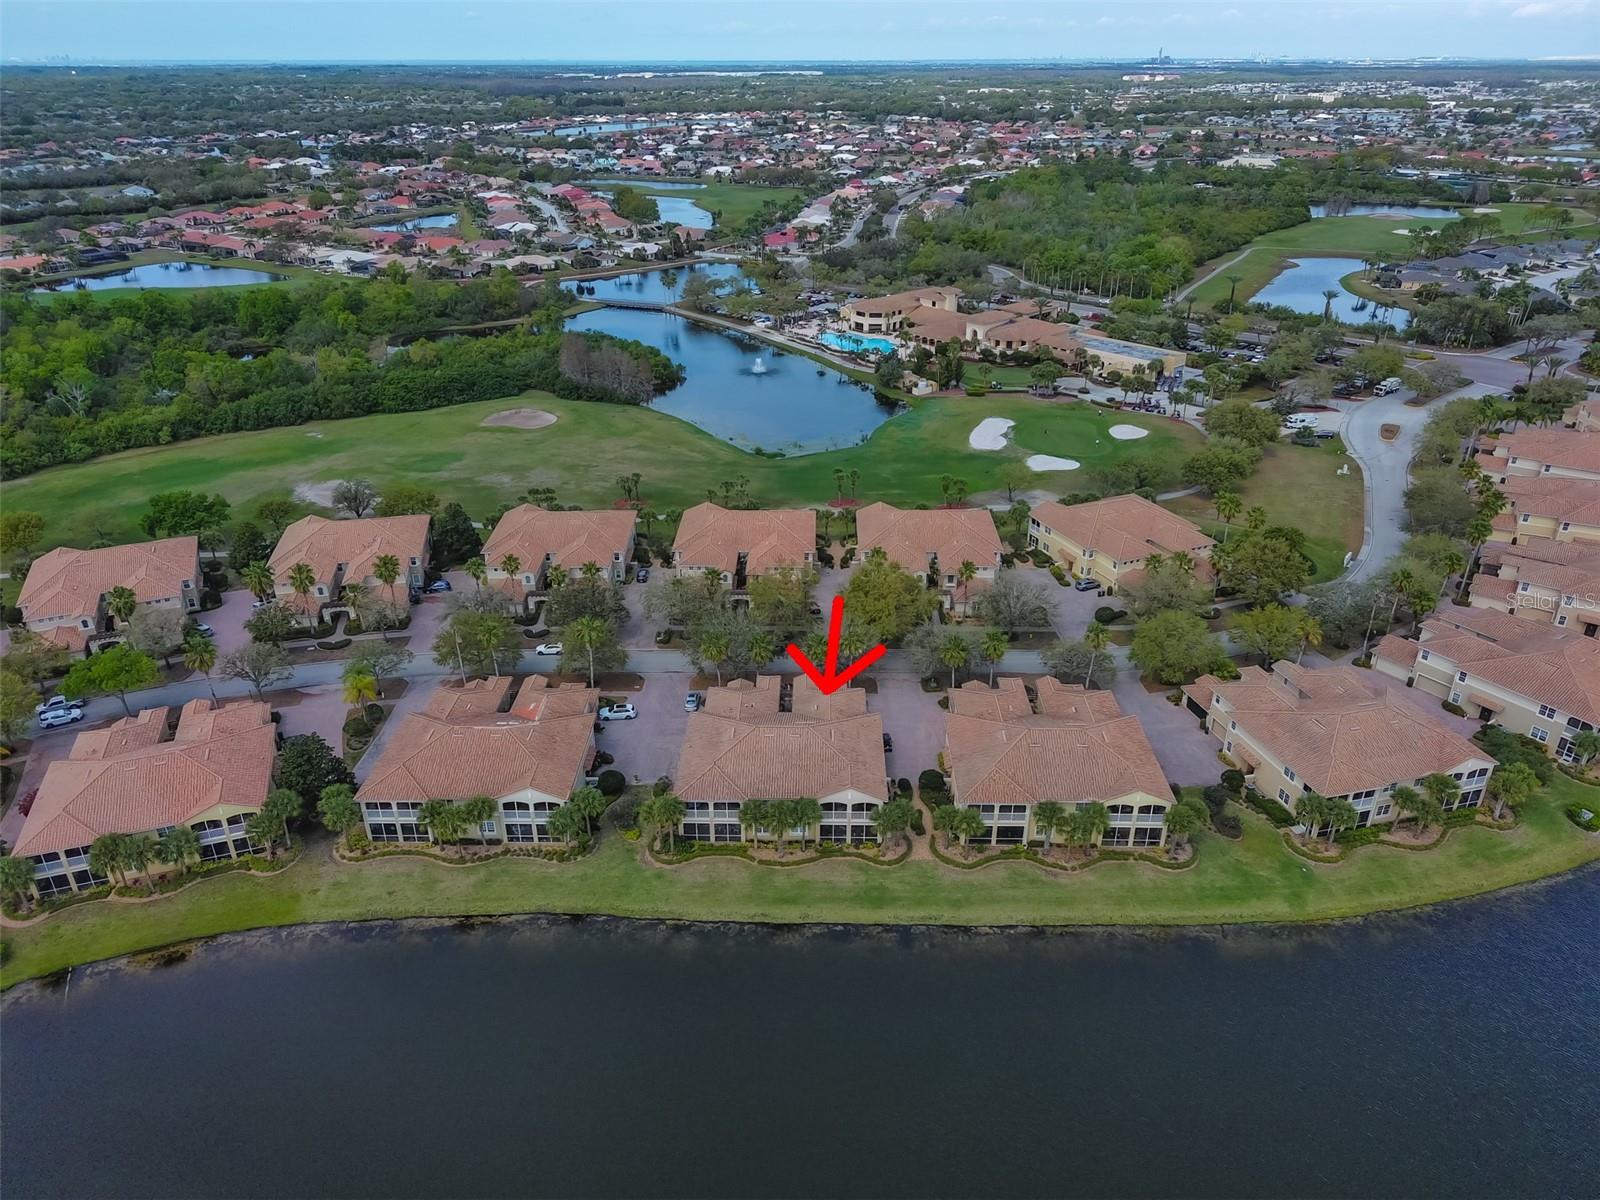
x: 854, y: 343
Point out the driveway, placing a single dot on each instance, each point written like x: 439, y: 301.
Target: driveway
x: 647, y: 747
x: 914, y: 722
x: 1187, y: 753
x: 318, y: 710
x: 227, y: 621
x: 1070, y: 610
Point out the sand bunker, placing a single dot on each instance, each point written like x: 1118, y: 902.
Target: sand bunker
x: 521, y: 418
x: 1049, y: 462
x: 1486, y: 210
x: 989, y: 434
x: 1127, y: 433
x: 316, y: 493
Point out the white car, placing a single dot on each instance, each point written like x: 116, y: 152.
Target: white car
x: 57, y: 717
x: 548, y: 648
x: 57, y: 704
x: 618, y: 712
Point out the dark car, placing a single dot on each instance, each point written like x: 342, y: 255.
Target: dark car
x: 439, y: 585
x: 888, y: 744
x: 642, y: 575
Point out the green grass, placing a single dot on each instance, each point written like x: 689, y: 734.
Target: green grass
x: 735, y: 201
x: 1253, y: 880
x: 293, y: 276
x: 580, y: 456
x: 1300, y: 486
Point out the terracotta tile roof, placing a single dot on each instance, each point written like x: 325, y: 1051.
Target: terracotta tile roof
x: 66, y: 582
x: 1571, y: 449
x: 569, y: 538
x: 544, y: 743
x: 1559, y: 497
x: 1339, y: 728
x: 324, y: 544
x: 125, y: 780
x: 911, y: 536
x: 475, y: 698
x: 740, y: 746
x: 1123, y: 528
x: 712, y: 536
x: 1076, y: 748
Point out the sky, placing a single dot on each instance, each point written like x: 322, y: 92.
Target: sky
x: 787, y: 30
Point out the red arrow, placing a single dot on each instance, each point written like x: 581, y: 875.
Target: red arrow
x: 831, y: 679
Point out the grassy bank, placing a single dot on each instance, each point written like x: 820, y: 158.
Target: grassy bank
x: 291, y: 275
x: 580, y: 456
x: 1256, y: 879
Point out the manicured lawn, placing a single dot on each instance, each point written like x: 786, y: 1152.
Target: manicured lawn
x: 735, y: 201
x: 1252, y: 880
x: 580, y: 456
x: 292, y: 275
x: 1300, y: 486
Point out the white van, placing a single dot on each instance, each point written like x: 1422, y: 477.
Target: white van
x: 1391, y: 384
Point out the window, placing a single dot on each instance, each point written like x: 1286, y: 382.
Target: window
x: 1455, y: 697
x: 1283, y: 796
x: 488, y: 827
x: 1566, y: 525
x: 1288, y: 773
x: 1546, y: 711
x: 1423, y: 655
x: 1461, y: 676
x: 1523, y: 586
x: 1383, y: 810
x: 1538, y: 734
x: 1562, y: 619
x: 1526, y: 518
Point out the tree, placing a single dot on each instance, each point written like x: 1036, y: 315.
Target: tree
x: 406, y: 499
x: 386, y: 570
x: 20, y: 531
x: 257, y: 577
x: 1013, y: 603
x: 1443, y: 790
x: 360, y: 687
x: 1079, y: 661
x: 590, y: 636
x: 1586, y: 745
x: 965, y: 574
x: 354, y: 496
x: 805, y: 814
x: 178, y: 846
x: 590, y: 595
x: 966, y: 823
x: 262, y: 829
x: 1420, y: 806
x: 381, y: 660
x: 337, y: 808
x: 108, y: 856
x: 781, y: 599
x: 955, y: 652
x: 18, y: 698
x: 887, y: 601
x: 1338, y: 814
x: 445, y: 821
x: 1050, y: 817
x: 16, y: 880
x: 1242, y: 420
x: 1187, y: 818
x: 663, y: 814
x: 590, y: 804
x: 1272, y: 631
x: 478, y: 643
x: 276, y: 515
x: 307, y: 765
x: 478, y: 571
x: 1087, y: 822
x: 753, y: 815
x: 302, y: 579
x: 200, y: 654
x: 567, y: 823
x: 453, y: 537
x: 273, y: 624
x: 1228, y: 506
x: 992, y: 648
x: 157, y: 631
x: 1221, y: 464
x: 115, y: 671
x: 248, y: 545
x: 895, y: 818
x: 137, y: 854
x: 1510, y: 787
x: 1263, y: 564
x: 122, y: 603
x: 260, y: 664
x: 1168, y: 584
x: 1175, y: 647
x: 184, y: 514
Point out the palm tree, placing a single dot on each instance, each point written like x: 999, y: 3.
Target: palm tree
x: 262, y: 829
x: 443, y: 820
x: 1512, y: 784
x: 1402, y: 582
x: 993, y: 647
x: 200, y: 654
x: 753, y: 815
x: 780, y: 819
x: 589, y: 803
x: 588, y: 634
x: 1442, y: 790
x: 177, y: 846
x: 1329, y: 295
x: 16, y: 880
x: 1339, y: 814
x: 969, y: 823
x: 1097, y: 637
x: 1185, y: 819
x: 477, y: 570
x: 1233, y: 284
x: 895, y: 818
x: 1479, y: 530
x: 714, y: 648
x: 1228, y: 506
x: 137, y: 856
x: 1088, y: 822
x: 1413, y: 803
x: 1586, y: 745
x: 804, y: 814
x: 567, y: 823
x: 302, y: 579
x: 1310, y: 810
x: 386, y: 570
x: 665, y: 813
x: 106, y: 856
x: 764, y: 648
x: 511, y: 564
x: 954, y: 652
x: 1309, y: 630
x: 945, y: 819
x: 360, y: 687
x: 257, y: 576
x: 965, y: 574
x: 1255, y: 518
x: 121, y: 603
x: 1049, y: 818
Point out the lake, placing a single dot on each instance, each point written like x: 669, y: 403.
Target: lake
x: 1303, y: 280
x: 746, y: 391
x: 1389, y: 210
x: 603, y: 127
x: 1448, y: 1053
x: 437, y: 221
x: 165, y: 275
x: 675, y: 210
x: 657, y: 287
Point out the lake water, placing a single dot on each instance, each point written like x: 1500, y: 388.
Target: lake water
x: 602, y: 127
x: 746, y: 391
x: 1301, y: 283
x: 657, y: 287
x: 436, y: 221
x: 1444, y: 1054
x: 674, y: 210
x: 1386, y: 210
x: 166, y: 275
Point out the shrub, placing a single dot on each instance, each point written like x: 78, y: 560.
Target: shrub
x: 931, y: 781
x: 624, y: 814
x: 903, y: 786
x: 1216, y: 797
x: 1107, y: 615
x: 603, y: 759
x: 1058, y: 574
x: 1575, y: 813
x: 13, y: 615
x: 356, y: 728
x: 612, y: 783
x: 1228, y: 825
x: 1506, y: 748
x: 917, y: 826
x: 357, y: 840
x: 1270, y: 808
x: 375, y: 713
x: 662, y: 785
x: 1233, y: 780
x: 1453, y: 709
x: 334, y: 644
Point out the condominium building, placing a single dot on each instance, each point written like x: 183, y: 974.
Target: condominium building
x: 343, y: 552
x: 64, y: 598
x: 1111, y: 540
x: 740, y: 544
x: 933, y: 543
x: 541, y: 541
x: 1566, y: 453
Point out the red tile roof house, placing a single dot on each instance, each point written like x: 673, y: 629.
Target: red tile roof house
x: 542, y: 540
x: 1007, y: 754
x: 741, y: 543
x: 934, y: 542
x: 63, y: 598
x: 465, y: 743
x: 742, y: 745
x: 341, y: 552
x: 212, y: 774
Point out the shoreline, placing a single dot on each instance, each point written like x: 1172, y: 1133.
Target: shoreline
x: 175, y: 953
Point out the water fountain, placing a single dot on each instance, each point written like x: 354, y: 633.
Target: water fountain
x: 758, y: 367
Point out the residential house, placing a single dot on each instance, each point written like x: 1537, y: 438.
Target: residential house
x: 740, y: 544
x: 540, y: 540
x: 1006, y: 754
x: 1564, y: 508
x: 1555, y: 451
x: 212, y: 773
x: 1541, y: 579
x: 529, y: 755
x: 1334, y: 730
x: 341, y: 552
x: 1526, y: 677
x: 1111, y: 540
x: 933, y: 543
x: 746, y: 744
x: 64, y: 596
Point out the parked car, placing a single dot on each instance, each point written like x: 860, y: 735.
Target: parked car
x: 203, y: 629
x: 1086, y: 585
x: 693, y: 702
x: 1327, y: 433
x: 888, y: 744
x: 56, y: 704
x: 618, y: 712
x: 439, y: 585
x: 1388, y: 386
x: 56, y: 717
x: 258, y: 605
x: 642, y: 575
x: 548, y: 648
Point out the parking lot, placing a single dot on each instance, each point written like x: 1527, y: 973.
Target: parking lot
x: 646, y: 747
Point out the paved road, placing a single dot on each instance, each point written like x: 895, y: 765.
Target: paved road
x: 1183, y: 292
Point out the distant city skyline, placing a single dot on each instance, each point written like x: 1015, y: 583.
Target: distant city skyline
x: 690, y: 31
